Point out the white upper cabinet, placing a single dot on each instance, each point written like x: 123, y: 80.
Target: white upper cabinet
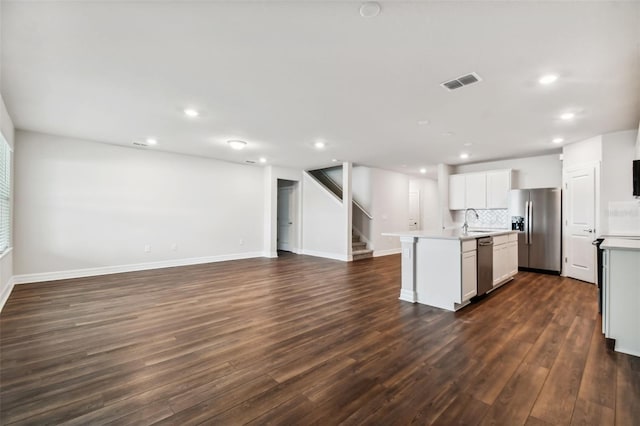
x: 457, y: 192
x: 483, y: 190
x: 476, y: 188
x: 498, y: 187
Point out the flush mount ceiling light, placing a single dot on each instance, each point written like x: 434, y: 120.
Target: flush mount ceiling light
x: 152, y: 141
x: 557, y: 140
x: 370, y: 9
x: 548, y: 79
x: 567, y: 116
x: 262, y: 160
x: 464, y: 155
x: 335, y: 160
x: 190, y: 112
x: 319, y: 144
x: 236, y: 144
x: 423, y: 170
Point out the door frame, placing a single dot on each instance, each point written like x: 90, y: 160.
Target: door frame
x: 565, y: 199
x: 295, y: 246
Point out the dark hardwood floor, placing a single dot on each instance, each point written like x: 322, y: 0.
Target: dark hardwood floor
x: 303, y: 340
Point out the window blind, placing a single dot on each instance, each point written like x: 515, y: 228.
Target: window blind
x: 5, y: 195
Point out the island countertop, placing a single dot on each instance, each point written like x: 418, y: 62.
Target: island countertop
x: 451, y: 234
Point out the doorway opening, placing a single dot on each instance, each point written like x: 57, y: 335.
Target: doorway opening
x: 287, y: 216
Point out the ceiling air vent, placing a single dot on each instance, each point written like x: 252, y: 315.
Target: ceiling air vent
x: 461, y: 81
x: 142, y: 144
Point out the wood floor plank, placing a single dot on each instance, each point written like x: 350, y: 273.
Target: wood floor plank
x: 587, y: 413
x: 304, y: 340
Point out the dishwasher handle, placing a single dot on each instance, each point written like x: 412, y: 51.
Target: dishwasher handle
x: 485, y: 241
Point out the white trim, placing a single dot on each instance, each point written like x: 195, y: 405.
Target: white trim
x: 6, y: 252
x: 334, y: 256
x: 378, y: 253
x: 7, y: 292
x: 626, y: 351
x: 408, y: 296
x: 105, y: 270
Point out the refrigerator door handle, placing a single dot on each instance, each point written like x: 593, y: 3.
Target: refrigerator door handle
x: 529, y: 222
x: 526, y: 222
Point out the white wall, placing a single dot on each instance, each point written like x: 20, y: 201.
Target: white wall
x: 429, y: 209
x: 544, y: 171
x: 323, y: 217
x: 389, y: 208
x: 618, y: 150
x: 6, y: 261
x: 84, y: 207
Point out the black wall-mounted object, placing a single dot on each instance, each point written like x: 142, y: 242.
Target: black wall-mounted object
x: 636, y: 178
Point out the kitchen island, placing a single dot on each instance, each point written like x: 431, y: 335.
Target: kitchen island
x: 440, y: 268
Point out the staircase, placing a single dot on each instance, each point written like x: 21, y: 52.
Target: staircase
x: 359, y: 248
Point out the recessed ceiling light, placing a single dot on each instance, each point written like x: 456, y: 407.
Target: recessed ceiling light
x: 468, y: 144
x: 319, y: 144
x: 423, y: 122
x: 404, y: 166
x: 448, y: 134
x: 236, y: 144
x: 548, y: 79
x: 464, y: 155
x: 567, y: 116
x: 557, y: 140
x: 262, y: 160
x: 190, y: 112
x: 335, y: 160
x: 423, y: 170
x: 152, y: 141
x: 370, y: 9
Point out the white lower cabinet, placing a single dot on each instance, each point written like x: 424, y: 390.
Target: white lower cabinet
x: 469, y: 275
x: 505, y: 258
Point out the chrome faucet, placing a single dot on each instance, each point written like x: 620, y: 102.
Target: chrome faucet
x: 465, y: 227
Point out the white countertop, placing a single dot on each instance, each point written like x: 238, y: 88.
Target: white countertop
x: 620, y: 244
x: 450, y: 234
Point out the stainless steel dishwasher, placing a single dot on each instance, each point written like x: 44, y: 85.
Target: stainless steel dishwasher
x: 485, y: 265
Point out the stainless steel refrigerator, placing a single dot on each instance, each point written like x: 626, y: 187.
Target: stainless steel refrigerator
x: 537, y: 215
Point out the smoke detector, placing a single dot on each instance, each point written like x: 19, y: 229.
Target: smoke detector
x: 463, y: 80
x: 370, y: 9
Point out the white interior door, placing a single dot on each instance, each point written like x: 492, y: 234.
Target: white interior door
x: 414, y: 211
x: 580, y: 224
x: 285, y: 218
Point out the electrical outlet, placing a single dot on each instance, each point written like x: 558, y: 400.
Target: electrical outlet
x: 147, y: 248
x: 174, y: 247
x: 241, y: 241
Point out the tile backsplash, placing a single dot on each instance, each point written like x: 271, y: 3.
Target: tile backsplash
x: 493, y: 219
x: 624, y: 217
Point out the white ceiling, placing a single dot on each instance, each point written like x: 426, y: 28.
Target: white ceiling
x: 281, y: 75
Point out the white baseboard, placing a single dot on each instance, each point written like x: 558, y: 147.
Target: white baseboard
x: 334, y: 256
x: 105, y: 270
x: 408, y: 295
x: 6, y: 293
x: 378, y: 253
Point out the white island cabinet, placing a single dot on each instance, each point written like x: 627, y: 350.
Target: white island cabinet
x: 621, y: 294
x: 440, y: 268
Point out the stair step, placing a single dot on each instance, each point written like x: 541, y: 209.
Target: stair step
x: 359, y: 245
x: 362, y: 254
x: 355, y: 238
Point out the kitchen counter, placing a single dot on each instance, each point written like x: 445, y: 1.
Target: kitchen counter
x: 452, y: 234
x: 620, y: 244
